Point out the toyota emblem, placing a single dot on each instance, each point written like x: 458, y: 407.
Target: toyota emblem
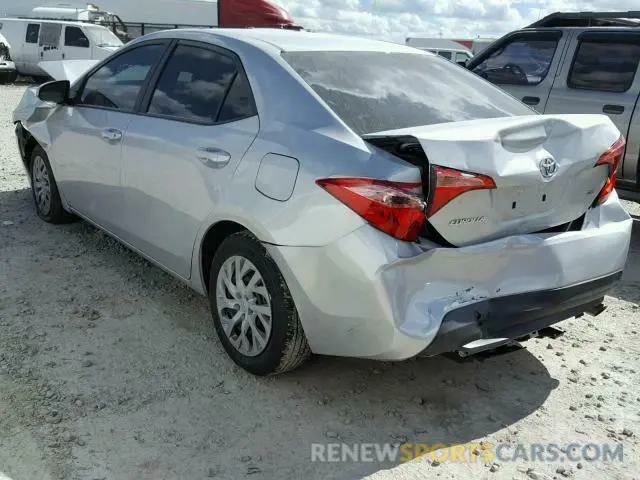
x: 548, y: 167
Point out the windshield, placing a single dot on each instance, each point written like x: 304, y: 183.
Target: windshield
x: 103, y: 37
x: 377, y: 91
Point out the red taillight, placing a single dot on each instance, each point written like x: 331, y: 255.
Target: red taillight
x: 396, y: 208
x: 611, y: 158
x: 448, y: 184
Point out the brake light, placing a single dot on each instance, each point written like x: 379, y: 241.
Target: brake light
x: 611, y: 158
x: 447, y: 184
x: 396, y: 208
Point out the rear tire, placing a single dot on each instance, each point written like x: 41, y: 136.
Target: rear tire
x: 253, y: 312
x: 45, y: 189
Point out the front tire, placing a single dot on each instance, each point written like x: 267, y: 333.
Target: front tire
x: 253, y: 312
x: 45, y: 190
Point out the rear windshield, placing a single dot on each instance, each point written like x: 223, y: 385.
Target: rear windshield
x: 377, y: 91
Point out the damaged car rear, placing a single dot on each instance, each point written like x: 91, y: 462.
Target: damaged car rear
x: 371, y: 200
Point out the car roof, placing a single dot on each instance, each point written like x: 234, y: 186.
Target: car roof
x: 291, y: 40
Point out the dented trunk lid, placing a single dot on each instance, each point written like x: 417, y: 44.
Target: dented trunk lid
x: 543, y: 167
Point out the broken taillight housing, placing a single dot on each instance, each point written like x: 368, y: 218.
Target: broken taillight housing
x: 396, y: 208
x: 447, y: 184
x: 612, y: 159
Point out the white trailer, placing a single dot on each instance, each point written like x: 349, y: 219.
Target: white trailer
x: 227, y: 13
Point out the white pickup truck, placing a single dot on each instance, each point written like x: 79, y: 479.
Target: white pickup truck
x: 575, y: 63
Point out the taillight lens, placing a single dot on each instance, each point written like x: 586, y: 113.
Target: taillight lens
x: 396, y: 208
x: 612, y: 159
x: 447, y: 184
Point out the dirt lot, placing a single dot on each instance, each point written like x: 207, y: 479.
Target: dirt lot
x: 110, y: 369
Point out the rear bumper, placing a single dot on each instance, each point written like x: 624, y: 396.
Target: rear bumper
x: 517, y: 315
x: 369, y: 295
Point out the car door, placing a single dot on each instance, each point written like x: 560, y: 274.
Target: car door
x: 49, y: 47
x: 30, y: 55
x: 87, y: 134
x: 76, y: 44
x: 631, y: 168
x: 199, y: 120
x: 524, y: 64
x: 601, y: 76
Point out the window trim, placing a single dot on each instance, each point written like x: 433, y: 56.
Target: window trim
x: 79, y: 88
x: 603, y: 37
x: 66, y: 28
x: 511, y: 38
x: 155, y: 79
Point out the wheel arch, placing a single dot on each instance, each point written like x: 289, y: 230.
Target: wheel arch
x: 27, y: 143
x: 211, y: 241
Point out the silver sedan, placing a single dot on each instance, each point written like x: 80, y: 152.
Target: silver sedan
x: 333, y: 195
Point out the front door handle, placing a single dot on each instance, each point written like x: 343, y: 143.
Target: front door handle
x: 613, y: 109
x: 531, y: 100
x: 112, y: 135
x: 213, y: 157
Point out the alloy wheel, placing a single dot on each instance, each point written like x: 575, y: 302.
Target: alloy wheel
x: 244, y: 306
x: 41, y: 185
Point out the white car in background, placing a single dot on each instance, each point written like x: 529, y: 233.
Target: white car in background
x: 32, y: 41
x: 334, y: 195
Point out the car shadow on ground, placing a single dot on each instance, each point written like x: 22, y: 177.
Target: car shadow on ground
x: 202, y: 396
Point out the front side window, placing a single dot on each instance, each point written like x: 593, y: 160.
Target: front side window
x: 75, y: 37
x: 462, y: 57
x: 523, y: 61
x: 376, y: 91
x: 33, y: 30
x: 102, y: 37
x: 118, y: 83
x: 607, y: 65
x: 445, y: 54
x: 193, y: 85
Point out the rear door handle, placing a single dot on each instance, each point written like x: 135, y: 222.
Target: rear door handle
x: 112, y: 135
x: 613, y: 109
x: 531, y: 100
x: 213, y: 157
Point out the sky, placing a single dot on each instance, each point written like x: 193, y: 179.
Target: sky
x: 397, y: 19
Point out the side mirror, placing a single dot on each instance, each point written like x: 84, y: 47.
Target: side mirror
x: 462, y: 63
x: 56, y: 92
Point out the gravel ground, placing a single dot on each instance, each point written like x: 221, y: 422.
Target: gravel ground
x: 110, y: 369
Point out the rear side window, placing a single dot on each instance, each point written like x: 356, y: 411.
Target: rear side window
x: 118, y: 83
x: 523, y: 61
x: 605, y: 64
x: 50, y: 34
x: 377, y: 91
x: 239, y: 102
x: 193, y: 85
x: 33, y: 30
x: 75, y: 37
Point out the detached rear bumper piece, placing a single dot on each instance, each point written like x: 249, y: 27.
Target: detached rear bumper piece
x: 515, y: 316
